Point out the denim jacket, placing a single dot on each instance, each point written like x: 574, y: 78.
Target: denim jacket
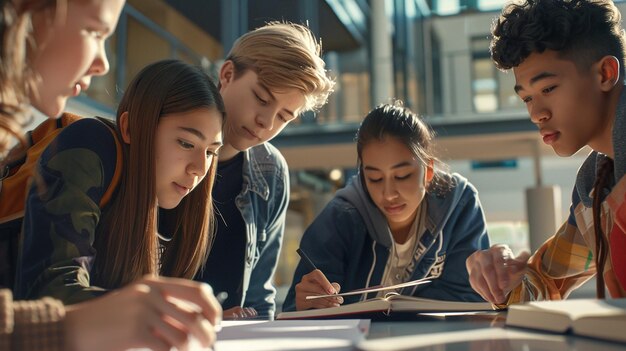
x: 263, y: 204
x: 350, y: 242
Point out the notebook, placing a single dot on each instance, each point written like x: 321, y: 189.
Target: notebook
x: 392, y: 302
x: 604, y: 319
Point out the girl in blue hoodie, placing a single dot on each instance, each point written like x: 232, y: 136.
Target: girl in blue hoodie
x: 398, y: 220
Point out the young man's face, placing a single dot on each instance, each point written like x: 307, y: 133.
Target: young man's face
x: 254, y: 114
x: 70, y: 50
x: 567, y: 105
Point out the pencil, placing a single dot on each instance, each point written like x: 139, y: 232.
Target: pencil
x: 306, y: 259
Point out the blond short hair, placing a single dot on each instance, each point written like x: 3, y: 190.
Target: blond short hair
x: 285, y: 56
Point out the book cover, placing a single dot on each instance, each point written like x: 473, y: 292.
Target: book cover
x: 604, y: 319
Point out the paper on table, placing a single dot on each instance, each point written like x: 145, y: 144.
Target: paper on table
x: 373, y: 289
x: 479, y: 339
x: 291, y: 335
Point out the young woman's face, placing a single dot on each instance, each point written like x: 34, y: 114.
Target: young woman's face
x: 70, y: 50
x: 186, y: 144
x: 395, y: 180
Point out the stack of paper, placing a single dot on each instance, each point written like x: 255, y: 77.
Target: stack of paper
x: 291, y: 335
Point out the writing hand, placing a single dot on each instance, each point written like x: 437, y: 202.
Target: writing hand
x: 316, y: 283
x: 494, y: 272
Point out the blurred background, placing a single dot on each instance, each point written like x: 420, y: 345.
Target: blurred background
x: 431, y: 54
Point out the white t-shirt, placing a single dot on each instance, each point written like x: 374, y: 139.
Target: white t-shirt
x: 402, y: 254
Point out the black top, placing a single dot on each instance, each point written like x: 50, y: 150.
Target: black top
x: 224, y: 267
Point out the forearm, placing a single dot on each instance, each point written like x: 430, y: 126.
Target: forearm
x: 68, y: 283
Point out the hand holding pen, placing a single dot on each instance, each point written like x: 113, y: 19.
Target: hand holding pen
x: 315, y: 283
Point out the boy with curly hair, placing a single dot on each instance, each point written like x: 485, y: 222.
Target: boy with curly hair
x: 568, y: 60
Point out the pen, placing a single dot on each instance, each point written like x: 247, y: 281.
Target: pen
x: 311, y: 266
x: 221, y: 297
x: 306, y: 259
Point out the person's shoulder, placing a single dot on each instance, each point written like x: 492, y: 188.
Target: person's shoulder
x: 86, y: 140
x: 460, y: 183
x: 90, y: 133
x: 454, y: 190
x: 453, y: 183
x: 267, y: 153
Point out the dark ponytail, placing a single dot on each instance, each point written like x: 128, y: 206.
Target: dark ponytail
x: 605, y: 171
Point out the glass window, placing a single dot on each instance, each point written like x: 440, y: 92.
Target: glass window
x: 492, y: 89
x: 447, y: 7
x: 355, y: 96
x: 506, y: 94
x: 144, y: 47
x: 490, y: 5
x: 484, y: 85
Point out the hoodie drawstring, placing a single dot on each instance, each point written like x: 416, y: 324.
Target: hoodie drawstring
x: 369, y: 276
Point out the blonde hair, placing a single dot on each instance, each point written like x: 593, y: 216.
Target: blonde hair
x: 13, y: 73
x: 284, y: 56
x: 16, y: 78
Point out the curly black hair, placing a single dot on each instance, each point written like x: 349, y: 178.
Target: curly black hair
x: 583, y: 31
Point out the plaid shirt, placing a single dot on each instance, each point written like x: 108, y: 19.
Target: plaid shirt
x: 31, y: 325
x: 566, y: 260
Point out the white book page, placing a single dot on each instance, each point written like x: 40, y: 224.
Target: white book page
x: 373, y: 289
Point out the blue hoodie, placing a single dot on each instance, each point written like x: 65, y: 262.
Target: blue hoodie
x: 350, y: 242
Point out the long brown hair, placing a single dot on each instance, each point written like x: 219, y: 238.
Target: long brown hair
x: 126, y: 238
x: 605, y: 171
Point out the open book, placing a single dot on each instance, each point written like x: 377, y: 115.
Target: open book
x: 392, y: 302
x: 605, y: 319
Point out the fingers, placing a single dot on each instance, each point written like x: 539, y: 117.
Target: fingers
x: 240, y: 313
x: 168, y: 334
x: 482, y: 288
x: 153, y: 343
x: 523, y: 258
x: 184, y: 316
x: 478, y: 281
x: 186, y: 305
x: 318, y: 277
x: 495, y: 272
x: 315, y: 283
x: 325, y: 302
x: 199, y: 294
x: 337, y: 287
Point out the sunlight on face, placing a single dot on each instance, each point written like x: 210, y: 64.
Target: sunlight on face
x: 255, y: 114
x: 186, y: 145
x: 568, y: 106
x: 395, y: 180
x: 70, y: 50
